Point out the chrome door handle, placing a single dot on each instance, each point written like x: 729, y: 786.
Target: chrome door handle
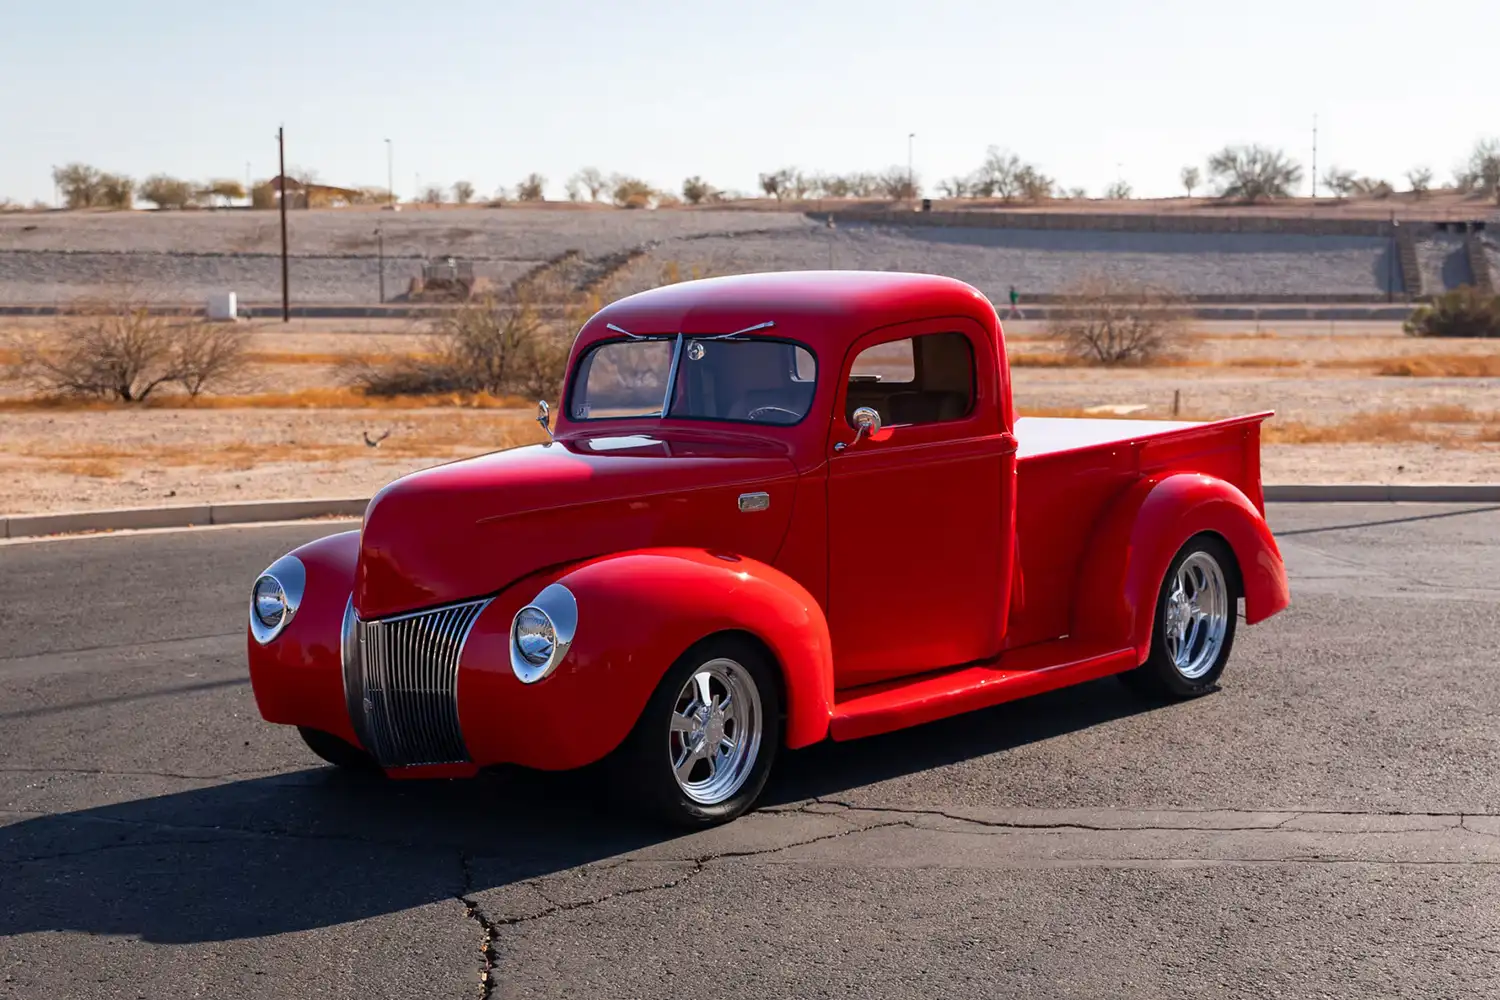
x: 752, y: 502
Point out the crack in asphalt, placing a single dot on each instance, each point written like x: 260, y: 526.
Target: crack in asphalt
x: 489, y: 933
x: 1023, y: 825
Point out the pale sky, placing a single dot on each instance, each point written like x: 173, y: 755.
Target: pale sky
x: 489, y: 91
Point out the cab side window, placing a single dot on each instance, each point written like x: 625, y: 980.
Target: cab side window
x: 919, y: 380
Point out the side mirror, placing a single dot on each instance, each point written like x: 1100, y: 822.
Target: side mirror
x: 866, y: 422
x: 544, y: 417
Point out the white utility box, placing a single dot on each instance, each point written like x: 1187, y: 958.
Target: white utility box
x: 223, y: 305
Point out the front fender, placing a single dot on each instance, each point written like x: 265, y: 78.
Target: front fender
x: 1135, y: 540
x: 637, y: 613
x: 298, y: 677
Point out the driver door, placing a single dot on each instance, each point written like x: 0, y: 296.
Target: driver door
x: 920, y: 516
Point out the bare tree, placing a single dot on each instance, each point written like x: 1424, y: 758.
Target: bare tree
x: 433, y: 194
x: 1339, y: 181
x: 1481, y: 174
x: 1190, y: 178
x: 778, y: 183
x: 573, y: 188
x: 1119, y: 191
x: 463, y: 192
x: 1373, y: 187
x: 955, y: 187
x: 1420, y: 179
x: 999, y: 175
x: 897, y: 184
x: 592, y: 180
x: 1077, y: 193
x: 1253, y: 173
x: 1117, y: 323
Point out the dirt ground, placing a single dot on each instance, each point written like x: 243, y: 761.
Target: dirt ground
x: 1338, y: 419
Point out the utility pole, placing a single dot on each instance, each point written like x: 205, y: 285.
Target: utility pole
x: 286, y: 299
x: 911, y: 181
x: 390, y: 175
x: 1315, y: 159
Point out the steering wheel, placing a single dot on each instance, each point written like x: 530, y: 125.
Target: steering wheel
x: 755, y: 413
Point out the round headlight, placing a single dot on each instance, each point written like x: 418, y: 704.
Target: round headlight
x: 269, y: 601
x: 535, y: 636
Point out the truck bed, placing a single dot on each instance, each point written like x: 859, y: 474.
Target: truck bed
x: 1052, y: 435
x: 1068, y: 472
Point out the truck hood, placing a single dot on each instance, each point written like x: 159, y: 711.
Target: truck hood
x: 471, y: 528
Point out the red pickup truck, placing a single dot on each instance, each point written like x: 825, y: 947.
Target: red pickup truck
x: 775, y: 509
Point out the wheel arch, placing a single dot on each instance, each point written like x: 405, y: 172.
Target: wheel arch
x: 1135, y: 540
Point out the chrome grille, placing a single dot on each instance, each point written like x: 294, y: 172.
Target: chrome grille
x: 401, y: 682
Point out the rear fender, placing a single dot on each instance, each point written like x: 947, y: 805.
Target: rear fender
x: 637, y: 613
x: 1134, y: 543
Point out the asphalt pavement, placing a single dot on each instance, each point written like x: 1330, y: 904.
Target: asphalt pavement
x: 1327, y: 824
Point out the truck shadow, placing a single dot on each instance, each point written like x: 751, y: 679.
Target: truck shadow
x: 315, y: 848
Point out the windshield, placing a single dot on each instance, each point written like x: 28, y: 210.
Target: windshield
x: 753, y: 381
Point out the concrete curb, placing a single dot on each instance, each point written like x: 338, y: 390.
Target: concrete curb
x: 179, y: 516
x: 260, y: 511
x: 1384, y: 493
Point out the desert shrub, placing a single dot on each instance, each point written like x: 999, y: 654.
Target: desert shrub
x: 116, y: 191
x: 263, y: 195
x: 1119, y: 191
x: 1481, y: 174
x: 1463, y: 312
x: 433, y: 194
x: 463, y: 192
x: 897, y: 184
x: 1373, y: 187
x: 630, y: 192
x: 168, y: 192
x: 125, y: 352
x: 79, y: 184
x: 1340, y: 181
x: 497, y: 344
x: 1253, y: 173
x: 1115, y: 323
x: 778, y: 183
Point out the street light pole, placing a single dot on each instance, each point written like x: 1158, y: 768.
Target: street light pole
x: 390, y: 174
x: 911, y: 177
x: 286, y: 298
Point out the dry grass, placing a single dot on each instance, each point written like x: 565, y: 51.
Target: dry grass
x: 1441, y: 366
x: 1445, y: 424
x: 303, y: 399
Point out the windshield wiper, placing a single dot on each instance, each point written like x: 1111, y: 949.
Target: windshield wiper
x: 738, y: 333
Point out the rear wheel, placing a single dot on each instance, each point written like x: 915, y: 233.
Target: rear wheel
x: 1193, y: 630
x: 703, y: 747
x: 337, y: 752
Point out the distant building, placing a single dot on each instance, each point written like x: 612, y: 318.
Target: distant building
x: 312, y: 195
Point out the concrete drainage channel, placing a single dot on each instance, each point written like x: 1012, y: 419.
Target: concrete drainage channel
x: 262, y: 511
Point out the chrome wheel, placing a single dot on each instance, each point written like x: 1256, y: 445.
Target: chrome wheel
x: 715, y: 731
x: 1197, y: 614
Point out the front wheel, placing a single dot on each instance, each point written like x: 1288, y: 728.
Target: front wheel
x: 1192, y: 632
x: 703, y: 747
x: 337, y: 752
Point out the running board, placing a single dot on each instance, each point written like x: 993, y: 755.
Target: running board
x: 1020, y: 673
